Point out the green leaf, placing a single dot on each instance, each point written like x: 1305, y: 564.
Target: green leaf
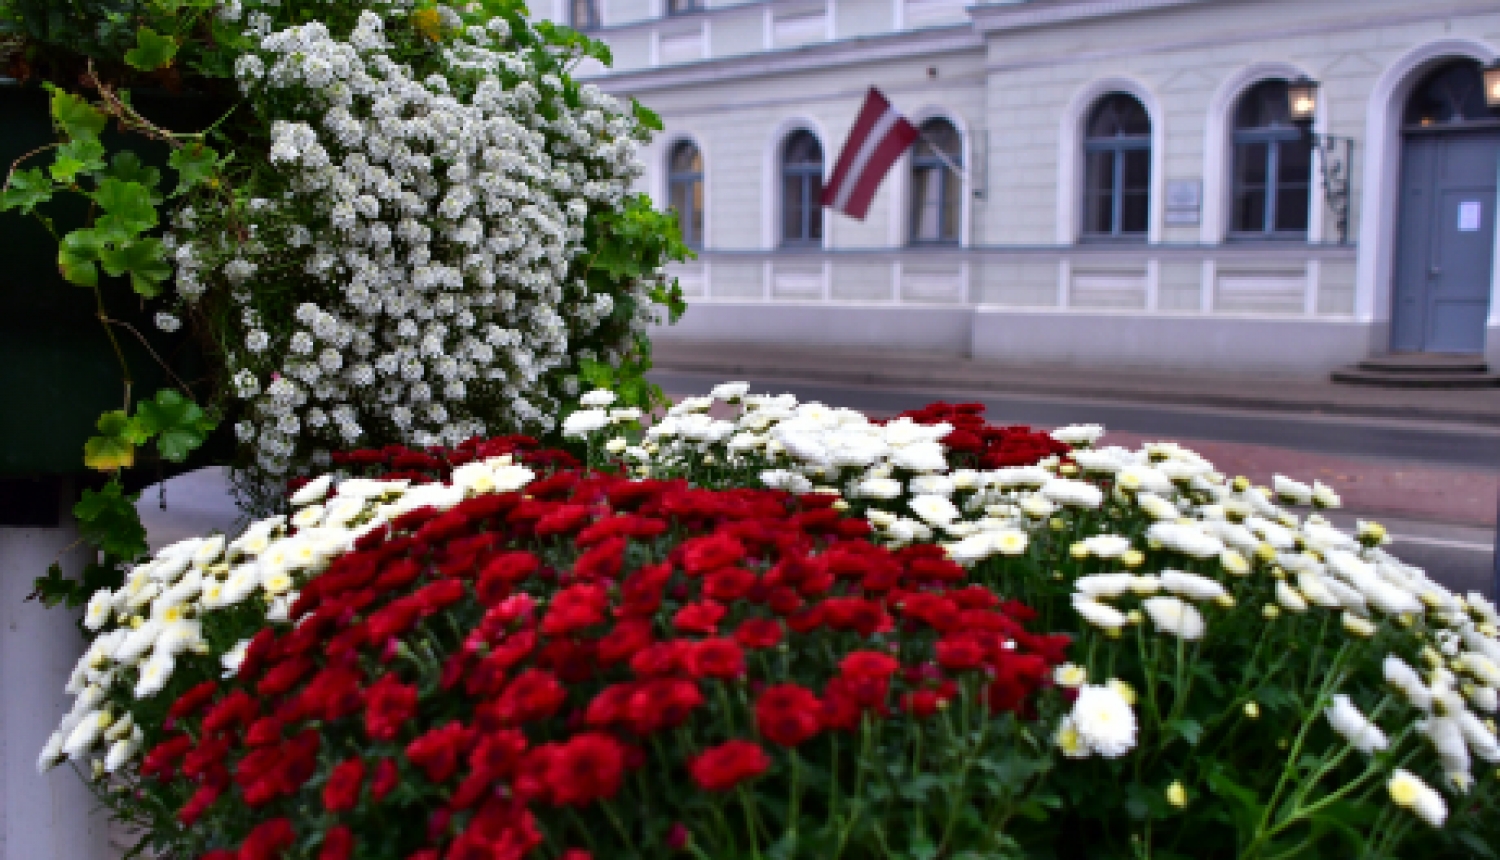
x: 75, y: 116
x: 194, y: 163
x: 1189, y: 730
x: 114, y: 447
x: 152, y: 50
x: 127, y: 167
x: 77, y: 254
x: 179, y: 424
x: 84, y: 155
x: 145, y: 260
x: 26, y: 190
x: 645, y: 116
x: 108, y: 519
x: 128, y: 202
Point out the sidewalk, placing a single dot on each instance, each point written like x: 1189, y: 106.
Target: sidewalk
x: 1257, y: 392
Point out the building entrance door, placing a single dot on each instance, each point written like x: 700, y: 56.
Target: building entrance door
x: 1445, y: 254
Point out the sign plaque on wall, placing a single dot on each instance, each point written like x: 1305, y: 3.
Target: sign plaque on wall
x: 1184, y: 200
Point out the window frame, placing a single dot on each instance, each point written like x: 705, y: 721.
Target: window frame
x: 688, y: 178
x: 1273, y: 137
x: 681, y: 7
x: 1117, y: 146
x: 948, y: 183
x: 809, y: 180
x: 594, y: 21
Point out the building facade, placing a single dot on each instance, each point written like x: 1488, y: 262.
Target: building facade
x: 1099, y: 182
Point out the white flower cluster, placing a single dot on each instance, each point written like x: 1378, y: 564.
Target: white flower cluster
x: 430, y: 227
x: 157, y: 615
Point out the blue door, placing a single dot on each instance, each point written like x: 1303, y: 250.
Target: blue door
x: 1446, y: 242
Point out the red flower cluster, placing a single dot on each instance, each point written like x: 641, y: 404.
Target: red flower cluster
x: 489, y: 668
x: 990, y: 446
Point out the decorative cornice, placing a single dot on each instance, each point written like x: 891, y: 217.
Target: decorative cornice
x: 989, y: 17
x: 866, y: 49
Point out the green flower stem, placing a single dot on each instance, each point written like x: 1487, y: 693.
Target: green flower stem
x: 614, y: 819
x: 970, y: 758
x: 795, y: 799
x: 752, y: 821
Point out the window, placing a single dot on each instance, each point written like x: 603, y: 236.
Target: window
x: 1451, y: 95
x: 1272, y: 167
x: 1117, y: 169
x: 685, y: 190
x: 678, y: 7
x: 801, y: 190
x: 583, y: 14
x: 936, y: 184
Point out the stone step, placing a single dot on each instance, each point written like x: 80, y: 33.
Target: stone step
x: 1424, y: 362
x: 1360, y: 375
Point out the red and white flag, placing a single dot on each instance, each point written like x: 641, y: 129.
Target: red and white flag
x: 878, y: 138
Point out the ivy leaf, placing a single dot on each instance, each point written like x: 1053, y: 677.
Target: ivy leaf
x: 152, y: 50
x: 108, y: 519
x: 27, y: 189
x: 179, y: 424
x: 76, y: 255
x: 83, y: 155
x: 127, y: 167
x: 194, y: 163
x: 114, y: 447
x: 128, y: 201
x: 144, y: 259
x: 75, y: 116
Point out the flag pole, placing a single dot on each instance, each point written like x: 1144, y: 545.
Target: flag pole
x: 943, y: 156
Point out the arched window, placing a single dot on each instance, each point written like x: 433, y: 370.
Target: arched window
x: 1452, y: 95
x: 584, y: 14
x: 1272, y: 166
x: 1117, y: 169
x: 937, y: 184
x: 801, y: 188
x: 685, y: 190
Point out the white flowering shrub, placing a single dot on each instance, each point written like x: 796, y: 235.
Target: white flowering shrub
x: 415, y: 259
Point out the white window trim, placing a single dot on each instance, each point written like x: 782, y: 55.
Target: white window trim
x: 1070, y: 168
x: 1218, y: 143
x: 899, y: 233
x: 663, y: 147
x: 770, y: 230
x: 1380, y: 187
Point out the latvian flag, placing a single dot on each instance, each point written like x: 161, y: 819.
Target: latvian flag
x: 878, y: 138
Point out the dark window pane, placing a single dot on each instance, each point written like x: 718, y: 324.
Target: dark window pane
x: 1119, y: 115
x: 686, y: 158
x: 1134, y: 212
x: 1250, y: 165
x: 924, y: 200
x: 1293, y: 162
x: 939, y: 135
x: 814, y: 208
x: 1137, y: 170
x: 1100, y: 184
x: 953, y: 195
x: 1291, y: 208
x: 791, y: 218
x: 1264, y: 106
x: 1451, y: 94
x: 697, y: 213
x: 803, y: 149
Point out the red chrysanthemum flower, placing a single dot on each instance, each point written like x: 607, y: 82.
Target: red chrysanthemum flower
x: 787, y: 715
x: 725, y: 766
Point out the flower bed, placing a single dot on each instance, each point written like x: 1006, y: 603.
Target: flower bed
x: 794, y: 633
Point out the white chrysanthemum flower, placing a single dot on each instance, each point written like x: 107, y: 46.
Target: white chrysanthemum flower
x: 1104, y: 585
x: 933, y: 485
x: 1079, y: 434
x: 1078, y: 494
x: 1295, y: 492
x: 121, y: 753
x: 1070, y: 675
x: 1174, y: 616
x: 1357, y: 625
x: 729, y: 391
x: 936, y: 510
x: 232, y: 658
x: 1104, y: 721
x: 86, y: 733
x: 1069, y: 742
x: 920, y: 457
x: 1186, y: 539
x: 52, y: 753
x: 101, y: 607
x: 1105, y: 546
x: 1099, y: 614
x: 1356, y: 728
x: 1290, y: 599
x: 1037, y: 506
x: 583, y: 422
x: 1156, y: 507
x: 1401, y: 676
x: 971, y: 550
x: 878, y: 488
x: 1008, y: 541
x: 599, y: 397
x: 312, y: 492
x: 154, y: 674
x: 1410, y: 792
x: 1191, y: 585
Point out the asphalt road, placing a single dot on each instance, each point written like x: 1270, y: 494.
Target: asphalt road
x: 1461, y: 557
